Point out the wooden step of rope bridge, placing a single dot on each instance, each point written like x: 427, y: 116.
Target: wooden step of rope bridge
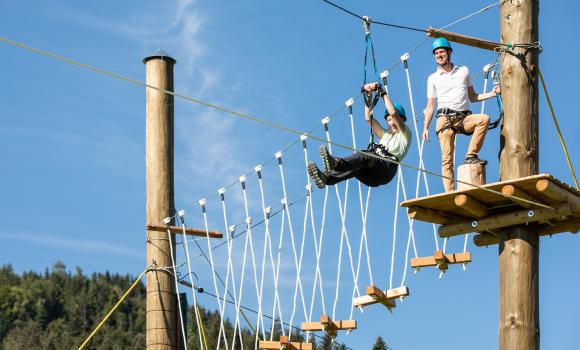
x: 541, y: 200
x: 283, y: 343
x: 377, y: 296
x: 328, y: 325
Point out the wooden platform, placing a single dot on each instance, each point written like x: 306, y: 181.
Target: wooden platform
x: 377, y: 296
x: 283, y: 343
x: 540, y: 200
x: 328, y: 325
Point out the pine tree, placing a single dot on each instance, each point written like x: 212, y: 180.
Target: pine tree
x: 380, y: 344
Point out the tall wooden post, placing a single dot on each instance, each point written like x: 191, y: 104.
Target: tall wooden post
x: 161, y: 322
x: 519, y: 319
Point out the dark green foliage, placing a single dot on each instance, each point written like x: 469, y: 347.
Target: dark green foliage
x: 380, y: 344
x: 59, y: 309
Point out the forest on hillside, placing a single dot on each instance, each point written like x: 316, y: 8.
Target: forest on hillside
x: 58, y: 309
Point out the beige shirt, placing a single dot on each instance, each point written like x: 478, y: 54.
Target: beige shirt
x: 397, y: 143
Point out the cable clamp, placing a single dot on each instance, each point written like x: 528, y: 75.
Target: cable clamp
x: 222, y: 191
x: 278, y: 155
x: 248, y: 220
x: 384, y: 74
x: 167, y: 220
x: 303, y: 137
x: 181, y: 213
x: 367, y: 24
x: 232, y: 228
x: 349, y: 102
x: 325, y: 121
x: 242, y: 178
x: 258, y: 168
x: 202, y: 202
x: 487, y: 67
x: 405, y: 57
x: 268, y: 211
x: 308, y: 189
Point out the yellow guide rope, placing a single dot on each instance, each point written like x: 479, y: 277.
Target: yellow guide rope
x: 112, y: 310
x: 558, y: 129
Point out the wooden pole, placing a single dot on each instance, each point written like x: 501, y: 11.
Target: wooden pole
x: 519, y: 321
x: 161, y: 320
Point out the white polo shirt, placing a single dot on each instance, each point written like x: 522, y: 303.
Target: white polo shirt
x: 450, y: 88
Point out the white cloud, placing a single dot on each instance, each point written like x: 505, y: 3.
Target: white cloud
x: 89, y: 246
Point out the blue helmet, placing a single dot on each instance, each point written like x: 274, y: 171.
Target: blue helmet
x: 441, y: 43
x: 400, y: 111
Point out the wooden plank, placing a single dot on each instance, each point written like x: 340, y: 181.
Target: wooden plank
x: 571, y: 225
x: 188, y: 231
x: 457, y: 258
x: 495, y: 222
x: 557, y: 193
x: 470, y: 206
x: 396, y: 293
x: 389, y: 297
x: 514, y: 194
x: 429, y: 215
x: 276, y: 345
x: 337, y: 325
x: 463, y: 39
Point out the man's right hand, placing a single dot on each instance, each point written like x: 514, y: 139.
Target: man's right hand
x: 426, y: 135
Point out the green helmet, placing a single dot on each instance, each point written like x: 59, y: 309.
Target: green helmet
x: 400, y: 111
x: 441, y: 43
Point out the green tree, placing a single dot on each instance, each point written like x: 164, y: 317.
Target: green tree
x: 380, y: 344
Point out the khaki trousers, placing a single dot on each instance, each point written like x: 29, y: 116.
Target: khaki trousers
x: 477, y: 123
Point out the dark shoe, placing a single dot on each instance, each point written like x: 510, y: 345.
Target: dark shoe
x: 327, y: 159
x: 474, y: 159
x: 318, y: 176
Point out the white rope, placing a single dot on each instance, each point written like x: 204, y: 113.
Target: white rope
x: 190, y: 273
x: 364, y: 211
x: 213, y: 270
x: 176, y: 287
x: 395, y: 230
x: 267, y: 243
x: 343, y: 233
x: 249, y: 237
x: 230, y: 267
x: 420, y: 143
x: 317, y: 274
x: 411, y: 237
x: 297, y: 261
x: 276, y: 277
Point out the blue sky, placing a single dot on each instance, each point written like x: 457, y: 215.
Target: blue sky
x: 73, y: 148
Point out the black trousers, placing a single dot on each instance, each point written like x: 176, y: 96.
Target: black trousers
x: 371, y: 171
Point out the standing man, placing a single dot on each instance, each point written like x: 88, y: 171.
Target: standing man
x: 451, y: 89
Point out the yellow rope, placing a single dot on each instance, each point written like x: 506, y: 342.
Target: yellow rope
x: 112, y: 310
x: 558, y: 129
x: 201, y: 326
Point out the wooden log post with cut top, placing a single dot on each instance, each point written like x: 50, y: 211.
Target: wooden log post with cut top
x: 162, y: 317
x: 519, y: 327
x: 468, y: 174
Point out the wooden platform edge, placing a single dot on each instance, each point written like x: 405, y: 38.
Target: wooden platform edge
x: 498, y: 221
x: 485, y: 239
